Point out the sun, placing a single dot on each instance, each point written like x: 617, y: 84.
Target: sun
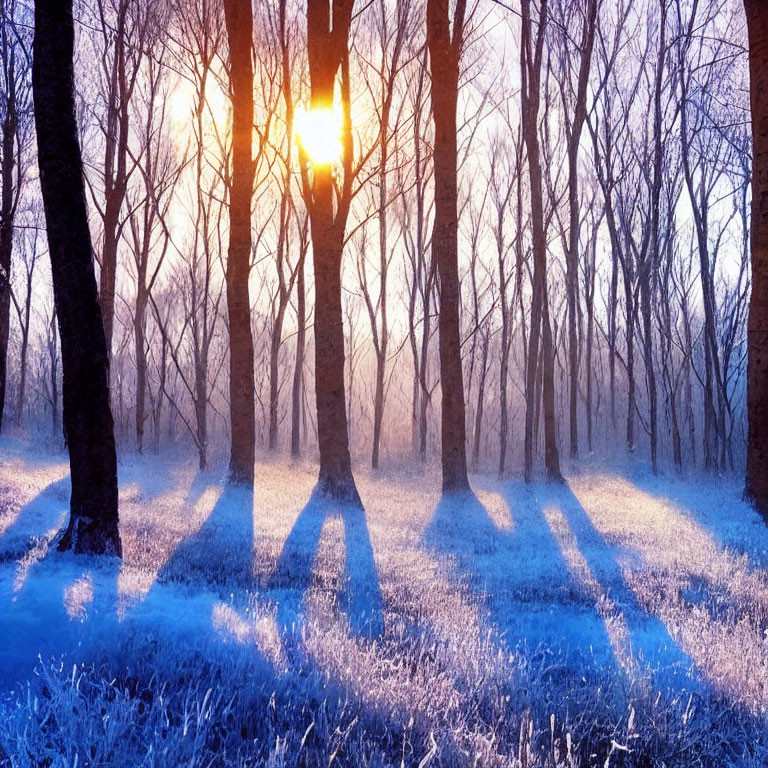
x: 318, y: 131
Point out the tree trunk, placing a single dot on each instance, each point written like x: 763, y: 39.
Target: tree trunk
x: 93, y: 523
x: 328, y: 49
x: 572, y: 256
x: 238, y: 15
x: 444, y: 54
x: 24, y: 323
x: 298, y: 371
x: 756, y: 481
x: 7, y: 210
x: 141, y: 363
x: 531, y: 60
x: 480, y: 403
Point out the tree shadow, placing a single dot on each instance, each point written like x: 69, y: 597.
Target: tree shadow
x: 731, y: 522
x: 56, y: 604
x: 37, y: 517
x: 361, y: 595
x: 648, y: 637
x: 220, y: 554
x: 532, y: 593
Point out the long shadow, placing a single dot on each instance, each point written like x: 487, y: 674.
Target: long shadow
x: 51, y: 603
x: 734, y: 525
x: 220, y: 554
x: 361, y: 596
x: 649, y: 638
x: 35, y: 518
x: 522, y: 567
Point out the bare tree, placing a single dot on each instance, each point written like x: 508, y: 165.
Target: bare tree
x: 531, y: 53
x: 14, y: 114
x: 93, y: 522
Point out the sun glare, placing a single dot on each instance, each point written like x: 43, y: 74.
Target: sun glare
x: 319, y: 134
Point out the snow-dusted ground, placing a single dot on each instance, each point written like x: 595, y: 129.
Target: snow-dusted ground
x: 619, y: 619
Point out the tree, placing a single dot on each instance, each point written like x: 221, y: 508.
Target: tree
x: 444, y: 56
x: 328, y: 28
x: 238, y: 16
x: 14, y: 102
x: 150, y: 238
x: 93, y: 521
x: 531, y: 53
x: 756, y: 482
x: 573, y: 128
x: 123, y: 27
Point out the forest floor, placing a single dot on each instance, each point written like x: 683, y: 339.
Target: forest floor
x: 618, y: 620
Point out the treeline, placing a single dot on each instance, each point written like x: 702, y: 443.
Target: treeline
x: 534, y: 241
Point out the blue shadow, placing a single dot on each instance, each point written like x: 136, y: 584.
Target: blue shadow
x: 220, y: 554
x: 35, y: 518
x: 361, y: 596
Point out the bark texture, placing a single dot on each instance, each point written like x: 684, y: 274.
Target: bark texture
x: 444, y: 54
x: 93, y: 523
x: 238, y: 15
x: 756, y: 483
x: 328, y: 50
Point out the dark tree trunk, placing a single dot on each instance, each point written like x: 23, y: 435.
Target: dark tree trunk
x: 7, y: 207
x: 756, y: 482
x: 93, y: 523
x: 444, y: 55
x: 238, y: 15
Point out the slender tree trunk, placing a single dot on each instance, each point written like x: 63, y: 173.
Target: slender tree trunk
x: 631, y: 398
x: 383, y: 337
x: 116, y: 174
x: 756, y: 481
x: 298, y: 371
x: 141, y: 363
x: 274, y: 375
x: 480, y: 403
x: 7, y: 209
x: 201, y: 412
x: 590, y: 302
x: 444, y: 55
x: 688, y: 386
x: 650, y: 370
x: 24, y: 350
x: 161, y: 390
x: 93, y: 523
x: 531, y: 60
x: 238, y: 15
x: 572, y: 262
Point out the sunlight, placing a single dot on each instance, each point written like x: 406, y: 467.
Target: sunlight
x: 318, y: 132
x: 78, y: 595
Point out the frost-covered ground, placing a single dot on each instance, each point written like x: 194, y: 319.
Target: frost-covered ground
x: 618, y: 621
